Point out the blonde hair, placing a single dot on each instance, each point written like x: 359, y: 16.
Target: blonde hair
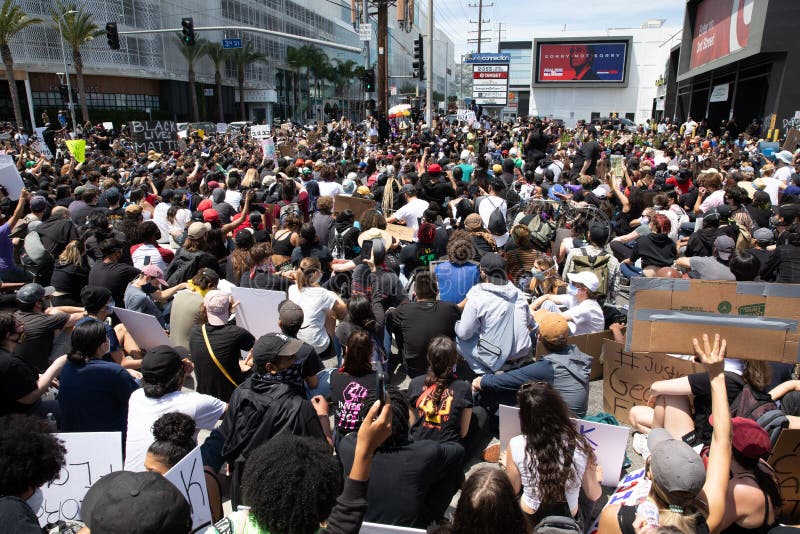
x: 250, y: 178
x: 306, y: 272
x: 72, y: 253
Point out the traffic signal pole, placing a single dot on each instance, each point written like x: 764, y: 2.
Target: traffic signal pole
x: 383, y: 71
x: 429, y: 70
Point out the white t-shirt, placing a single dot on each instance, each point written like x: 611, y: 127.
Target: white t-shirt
x: 411, y: 213
x: 234, y: 198
x: 330, y: 189
x: 316, y: 303
x: 144, y: 411
x: 148, y: 251
x: 587, y: 317
x: 530, y: 482
x: 715, y: 199
x: 772, y: 187
x: 784, y: 174
x: 160, y: 218
x: 485, y: 209
x: 182, y: 219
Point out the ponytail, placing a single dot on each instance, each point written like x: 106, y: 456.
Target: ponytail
x: 308, y: 269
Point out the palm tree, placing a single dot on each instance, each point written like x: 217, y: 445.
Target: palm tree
x: 294, y: 60
x: 217, y: 55
x: 344, y: 74
x: 192, y: 53
x: 243, y: 57
x: 12, y: 21
x: 78, y: 28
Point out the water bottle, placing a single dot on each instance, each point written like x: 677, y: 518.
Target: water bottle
x: 51, y: 422
x: 649, y: 511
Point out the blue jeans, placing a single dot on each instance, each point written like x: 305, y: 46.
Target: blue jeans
x: 630, y: 271
x: 323, y: 384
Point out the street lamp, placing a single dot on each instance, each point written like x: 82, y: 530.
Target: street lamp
x: 66, y: 71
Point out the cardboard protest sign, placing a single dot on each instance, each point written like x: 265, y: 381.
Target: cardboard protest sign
x: 286, y: 151
x: 90, y: 456
x: 377, y: 528
x: 10, y: 178
x: 161, y: 136
x: 632, y: 490
x: 188, y: 476
x: 77, y: 147
x: 629, y: 375
x: 607, y: 441
x: 758, y: 319
x: 257, y: 311
x: 785, y: 460
x: 143, y: 328
x: 260, y: 131
x: 792, y: 140
x: 591, y: 344
x: 357, y: 205
x: 400, y: 232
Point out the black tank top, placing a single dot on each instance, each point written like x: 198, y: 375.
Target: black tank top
x: 283, y: 246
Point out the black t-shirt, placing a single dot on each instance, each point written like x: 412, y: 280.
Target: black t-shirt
x: 347, y: 395
x: 17, y: 379
x: 418, y: 323
x: 589, y: 151
x: 17, y: 517
x: 114, y: 276
x: 265, y: 280
x: 439, y: 421
x: 40, y: 330
x: 70, y: 279
x: 227, y: 342
x: 701, y: 389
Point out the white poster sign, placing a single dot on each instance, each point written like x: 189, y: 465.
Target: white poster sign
x: 720, y: 93
x: 222, y: 128
x: 260, y: 131
x: 39, y: 145
x: 377, y: 528
x: 607, y: 441
x: 632, y: 490
x: 188, y: 476
x: 143, y: 328
x: 258, y: 309
x: 108, y: 125
x: 90, y: 457
x: 466, y: 115
x: 10, y: 178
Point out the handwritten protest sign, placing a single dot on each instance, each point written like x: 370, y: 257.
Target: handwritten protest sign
x: 357, y: 205
x: 260, y: 131
x: 39, y: 145
x: 222, y: 128
x: 108, y: 125
x: 143, y: 328
x: 161, y: 136
x: 629, y: 375
x: 9, y: 177
x: 607, y: 441
x: 188, y: 476
x: 258, y: 309
x: 400, y: 232
x: 631, y: 491
x: 466, y: 115
x: 286, y: 150
x: 785, y: 460
x: 90, y: 456
x: 77, y: 147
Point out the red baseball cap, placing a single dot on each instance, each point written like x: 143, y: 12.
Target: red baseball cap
x: 213, y: 184
x: 204, y: 205
x: 749, y: 438
x: 210, y: 216
x: 434, y: 168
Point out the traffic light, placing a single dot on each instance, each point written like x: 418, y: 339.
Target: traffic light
x: 419, y: 62
x: 187, y: 23
x: 112, y: 35
x: 369, y: 80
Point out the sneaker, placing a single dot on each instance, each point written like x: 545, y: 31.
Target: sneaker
x: 639, y: 445
x: 491, y: 454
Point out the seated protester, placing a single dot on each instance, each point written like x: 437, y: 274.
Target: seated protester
x: 788, y: 393
x: 701, y: 242
x: 31, y: 455
x: 216, y: 347
x: 493, y: 332
x: 744, y: 266
x: 583, y: 312
x: 164, y: 371
x: 442, y: 403
x: 148, y: 252
x: 416, y: 323
x: 343, y: 237
x: 763, y: 238
x: 598, y: 258
x: 93, y: 393
x: 41, y: 323
x: 431, y: 244
x: 457, y: 274
x: 240, y: 261
x: 70, y: 275
x: 185, y: 310
x: 412, y: 211
x: 9, y: 271
x: 145, y: 289
x: 112, y: 272
x: 714, y: 267
x: 309, y: 245
x: 422, y: 476
x: 351, y: 384
x: 307, y: 369
x: 784, y: 264
x: 323, y: 220
x: 546, y: 280
x: 21, y: 386
x: 263, y: 275
x: 98, y: 303
x: 193, y: 256
x: 538, y: 460
x: 521, y: 255
x: 656, y: 250
x: 482, y: 241
x: 147, y: 500
x: 262, y: 407
x: 282, y: 498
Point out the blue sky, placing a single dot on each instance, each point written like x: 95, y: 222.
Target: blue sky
x: 523, y: 18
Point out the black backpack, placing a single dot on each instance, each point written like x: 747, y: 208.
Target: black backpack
x: 751, y: 403
x: 497, y: 221
x: 556, y: 524
x: 182, y: 268
x: 342, y: 244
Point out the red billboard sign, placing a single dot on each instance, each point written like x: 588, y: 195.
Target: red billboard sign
x: 581, y: 62
x: 489, y: 75
x: 721, y: 27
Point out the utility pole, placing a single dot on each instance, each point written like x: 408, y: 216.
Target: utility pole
x: 480, y: 23
x: 366, y: 53
x: 382, y: 83
x: 500, y: 32
x: 429, y: 70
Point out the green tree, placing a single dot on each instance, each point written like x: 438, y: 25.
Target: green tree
x: 78, y: 28
x: 247, y: 55
x: 192, y: 54
x: 344, y: 74
x: 294, y: 59
x: 12, y: 21
x: 217, y: 55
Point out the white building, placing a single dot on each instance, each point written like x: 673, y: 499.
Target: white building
x: 648, y: 54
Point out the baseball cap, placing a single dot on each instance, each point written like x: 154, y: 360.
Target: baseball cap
x: 94, y: 298
x: 408, y: 188
x: 218, y: 306
x: 434, y: 168
x: 724, y: 247
x: 363, y: 190
x: 290, y: 314
x: 764, y: 236
x: 204, y: 205
x: 33, y: 293
x: 494, y: 267
x: 675, y: 467
x: 349, y: 186
x: 161, y: 364
x: 210, y: 215
x: 213, y: 184
x: 269, y: 347
x: 38, y: 203
x: 497, y: 169
x: 749, y: 438
x: 586, y: 279
x: 133, y: 209
x: 136, y: 503
x: 154, y: 271
x: 197, y: 229
x: 553, y: 328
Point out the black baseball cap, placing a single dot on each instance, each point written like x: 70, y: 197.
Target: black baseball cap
x: 269, y: 347
x: 94, y: 298
x: 160, y: 364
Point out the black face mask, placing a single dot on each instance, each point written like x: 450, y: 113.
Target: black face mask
x: 148, y: 288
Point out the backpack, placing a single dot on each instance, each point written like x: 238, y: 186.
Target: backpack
x: 292, y: 208
x: 182, y: 268
x: 341, y: 243
x: 595, y: 264
x: 497, y: 221
x: 542, y: 231
x: 752, y: 404
x: 556, y: 524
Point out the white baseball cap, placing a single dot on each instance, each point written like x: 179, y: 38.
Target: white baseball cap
x: 586, y: 279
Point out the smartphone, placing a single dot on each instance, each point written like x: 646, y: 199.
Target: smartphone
x: 366, y: 249
x: 380, y: 389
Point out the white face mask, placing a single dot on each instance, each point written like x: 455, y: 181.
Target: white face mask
x: 35, y: 501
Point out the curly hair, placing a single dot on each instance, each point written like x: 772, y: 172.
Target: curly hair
x: 550, y: 440
x: 174, y: 437
x: 291, y: 484
x: 30, y: 456
x: 400, y: 423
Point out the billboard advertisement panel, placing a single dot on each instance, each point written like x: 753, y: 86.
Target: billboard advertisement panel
x: 581, y: 62
x: 721, y: 27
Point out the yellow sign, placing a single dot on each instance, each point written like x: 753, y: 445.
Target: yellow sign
x: 77, y: 147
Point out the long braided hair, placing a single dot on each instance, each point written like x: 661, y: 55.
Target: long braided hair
x: 442, y: 359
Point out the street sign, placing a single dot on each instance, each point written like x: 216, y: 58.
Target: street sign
x: 232, y: 43
x: 489, y: 78
x: 365, y: 32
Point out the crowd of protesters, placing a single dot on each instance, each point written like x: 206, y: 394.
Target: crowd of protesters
x: 382, y: 382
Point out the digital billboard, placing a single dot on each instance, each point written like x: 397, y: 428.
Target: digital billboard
x: 581, y: 62
x: 721, y: 27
